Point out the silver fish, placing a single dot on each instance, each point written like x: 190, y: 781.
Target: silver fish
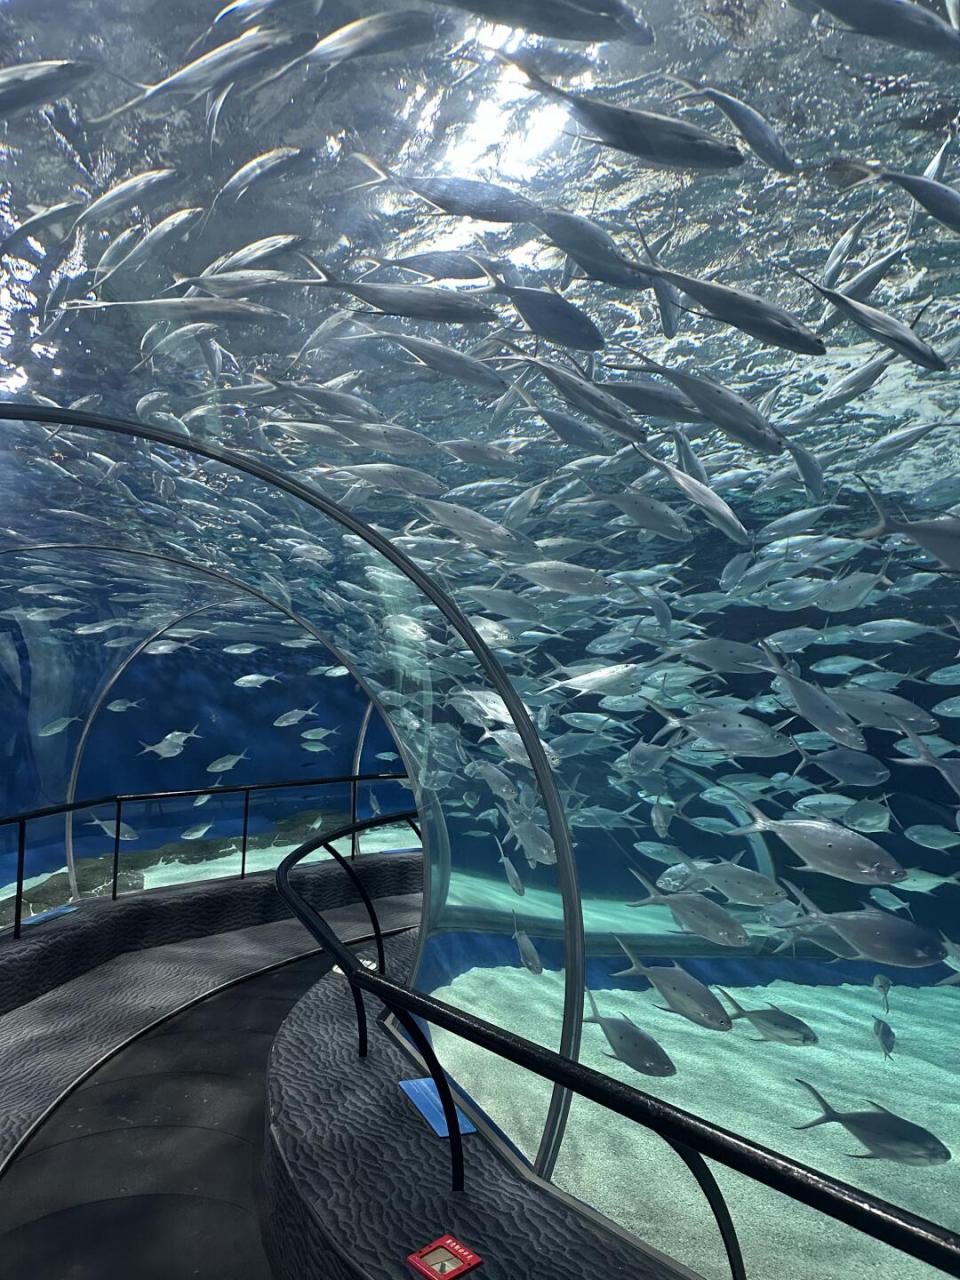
x: 885, y: 1135
x: 774, y: 1023
x: 529, y: 956
x: 631, y: 1045
x: 684, y: 994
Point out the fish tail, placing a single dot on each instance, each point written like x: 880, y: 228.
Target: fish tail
x: 534, y: 79
x: 594, y: 1011
x: 829, y: 1114
x: 382, y: 172
x: 801, y: 897
x: 738, y: 1009
x: 651, y: 889
x: 885, y: 524
x: 100, y: 122
x: 324, y: 276
x: 634, y: 962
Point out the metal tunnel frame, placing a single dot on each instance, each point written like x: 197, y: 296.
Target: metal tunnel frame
x: 574, y: 946
x: 105, y: 690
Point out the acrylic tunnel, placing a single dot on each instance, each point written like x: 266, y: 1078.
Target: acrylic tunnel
x: 479, y: 639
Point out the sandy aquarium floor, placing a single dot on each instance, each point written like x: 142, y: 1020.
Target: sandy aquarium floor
x: 750, y: 1088
x: 259, y: 858
x: 267, y: 857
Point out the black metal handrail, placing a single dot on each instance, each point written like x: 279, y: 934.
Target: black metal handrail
x: 693, y: 1138
x: 21, y: 820
x: 216, y: 790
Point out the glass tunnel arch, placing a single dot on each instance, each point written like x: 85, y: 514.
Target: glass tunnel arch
x: 549, y: 1145
x: 244, y: 591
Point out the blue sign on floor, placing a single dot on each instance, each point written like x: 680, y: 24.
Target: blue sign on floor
x: 423, y: 1094
x: 46, y: 915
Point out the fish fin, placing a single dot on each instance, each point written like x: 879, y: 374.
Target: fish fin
x: 635, y: 964
x: 738, y: 1010
x: 751, y: 829
x: 884, y: 524
x: 533, y: 78
x: 382, y: 172
x: 829, y: 1113
x: 865, y: 1155
x: 802, y: 898
x: 651, y: 890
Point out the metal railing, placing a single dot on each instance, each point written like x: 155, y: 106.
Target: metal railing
x: 117, y: 802
x: 692, y: 1138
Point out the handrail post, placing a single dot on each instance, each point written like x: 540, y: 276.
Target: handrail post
x: 354, y: 839
x: 116, y: 849
x: 715, y: 1198
x: 442, y: 1085
x: 246, y: 829
x: 355, y: 770
x: 21, y: 861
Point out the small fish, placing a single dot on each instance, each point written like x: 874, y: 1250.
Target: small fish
x: 885, y: 1135
x: 529, y: 956
x: 197, y: 832
x: 109, y: 828
x: 510, y: 871
x: 127, y: 704
x: 886, y: 1037
x: 53, y: 727
x: 659, y: 141
x: 756, y: 131
x: 631, y: 1045
x: 31, y: 84
x: 696, y: 914
x: 883, y: 984
x: 828, y: 848
x: 295, y: 716
x: 932, y: 837
x: 899, y: 22
x: 684, y: 994
x: 243, y: 648
x: 887, y: 900
x: 164, y: 749
x: 223, y: 764
x: 774, y: 1024
x: 254, y: 681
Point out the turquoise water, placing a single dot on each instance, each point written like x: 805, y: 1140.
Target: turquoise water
x: 724, y: 590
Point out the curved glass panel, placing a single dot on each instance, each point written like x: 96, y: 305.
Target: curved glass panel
x: 697, y: 504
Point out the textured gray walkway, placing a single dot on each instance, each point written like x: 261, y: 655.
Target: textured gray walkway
x: 357, y: 1180
x: 46, y: 1044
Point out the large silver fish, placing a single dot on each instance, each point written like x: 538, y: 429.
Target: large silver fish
x: 885, y: 1135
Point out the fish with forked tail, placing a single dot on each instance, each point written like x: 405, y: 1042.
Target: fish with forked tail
x: 630, y: 1044
x: 683, y: 993
x: 774, y: 1024
x: 885, y: 1135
